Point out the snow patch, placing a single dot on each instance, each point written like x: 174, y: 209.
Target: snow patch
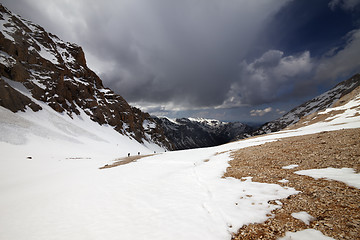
x: 308, y: 234
x: 6, y: 30
x: 79, y: 81
x: 148, y: 125
x: 345, y: 175
x: 6, y: 59
x: 210, y: 122
x: 303, y: 216
x: 18, y: 86
x: 173, y: 120
x: 65, y: 55
x: 283, y: 181
x: 46, y: 54
x: 290, y: 166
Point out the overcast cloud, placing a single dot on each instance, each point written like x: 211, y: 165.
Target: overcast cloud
x: 344, y: 4
x: 205, y: 55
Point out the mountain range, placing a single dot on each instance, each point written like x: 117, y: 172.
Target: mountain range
x: 187, y: 133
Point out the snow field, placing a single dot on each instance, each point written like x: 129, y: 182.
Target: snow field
x: 172, y: 195
x: 62, y: 194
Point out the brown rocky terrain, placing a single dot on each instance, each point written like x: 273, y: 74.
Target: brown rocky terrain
x: 334, y: 205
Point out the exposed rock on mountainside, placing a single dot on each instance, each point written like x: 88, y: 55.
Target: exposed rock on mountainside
x: 329, y: 114
x: 321, y: 102
x: 55, y: 72
x: 186, y: 133
x: 14, y: 100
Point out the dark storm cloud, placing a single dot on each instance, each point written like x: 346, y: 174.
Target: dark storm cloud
x: 183, y: 52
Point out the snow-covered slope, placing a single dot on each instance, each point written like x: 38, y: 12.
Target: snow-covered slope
x: 209, y: 122
x: 51, y: 71
x: 50, y: 134
x: 321, y: 102
x: 187, y: 133
x: 344, y: 109
x: 60, y: 193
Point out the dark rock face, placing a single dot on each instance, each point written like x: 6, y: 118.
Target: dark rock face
x: 319, y: 103
x: 13, y: 100
x: 55, y: 72
x: 187, y: 133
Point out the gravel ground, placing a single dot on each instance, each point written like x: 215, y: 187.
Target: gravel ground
x: 334, y: 205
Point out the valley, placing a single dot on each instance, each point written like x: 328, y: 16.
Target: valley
x: 79, y: 162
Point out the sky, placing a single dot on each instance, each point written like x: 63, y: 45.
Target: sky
x: 235, y: 60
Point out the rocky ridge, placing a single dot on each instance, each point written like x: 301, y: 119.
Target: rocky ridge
x: 55, y: 72
x: 316, y: 104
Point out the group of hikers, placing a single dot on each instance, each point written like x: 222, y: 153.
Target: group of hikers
x: 139, y: 153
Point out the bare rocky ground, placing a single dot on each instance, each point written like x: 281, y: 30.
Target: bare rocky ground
x: 123, y: 161
x: 335, y: 206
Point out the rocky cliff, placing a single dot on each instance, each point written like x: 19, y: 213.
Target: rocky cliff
x: 55, y: 72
